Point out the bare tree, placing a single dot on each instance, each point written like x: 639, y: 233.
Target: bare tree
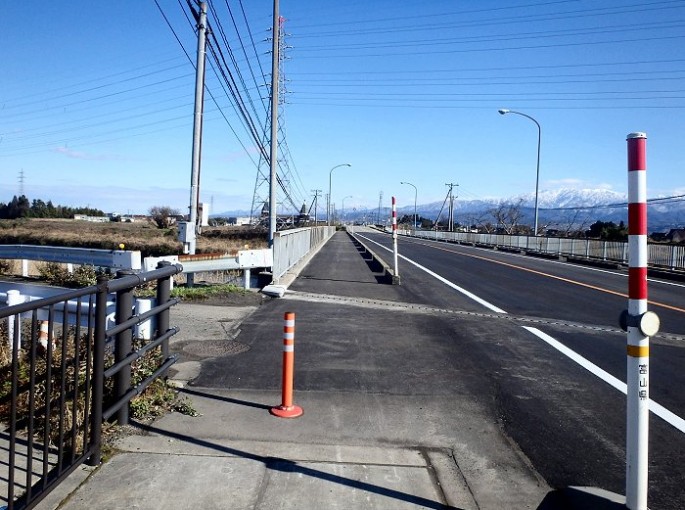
x: 508, y: 216
x: 163, y: 216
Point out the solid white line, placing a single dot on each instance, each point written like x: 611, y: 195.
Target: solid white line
x: 656, y: 408
x: 544, y: 261
x: 466, y: 293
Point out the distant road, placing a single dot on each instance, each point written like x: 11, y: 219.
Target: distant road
x: 560, y: 380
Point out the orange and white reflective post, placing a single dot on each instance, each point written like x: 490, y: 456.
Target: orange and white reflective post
x: 287, y: 409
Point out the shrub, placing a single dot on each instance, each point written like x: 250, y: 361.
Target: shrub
x: 56, y: 274
x: 5, y: 266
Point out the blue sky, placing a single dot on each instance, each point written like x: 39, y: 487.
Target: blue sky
x: 96, y: 99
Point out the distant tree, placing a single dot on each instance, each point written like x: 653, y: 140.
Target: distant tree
x: 508, y: 216
x: 18, y: 207
x: 163, y: 216
x: 608, y: 231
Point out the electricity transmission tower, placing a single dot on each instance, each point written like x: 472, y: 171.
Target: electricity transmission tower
x: 260, y: 197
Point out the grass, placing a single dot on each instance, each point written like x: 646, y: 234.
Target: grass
x: 141, y: 236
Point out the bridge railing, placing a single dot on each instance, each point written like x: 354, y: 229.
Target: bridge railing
x: 659, y: 255
x: 53, y: 379
x: 290, y: 246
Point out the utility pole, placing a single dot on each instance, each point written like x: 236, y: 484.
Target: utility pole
x: 188, y: 234
x: 273, y: 155
x: 317, y: 194
x: 380, y: 206
x: 450, y: 213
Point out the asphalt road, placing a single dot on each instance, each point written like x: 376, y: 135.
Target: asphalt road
x: 569, y: 421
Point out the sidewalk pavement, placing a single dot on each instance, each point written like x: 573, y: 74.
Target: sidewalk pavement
x: 389, y: 422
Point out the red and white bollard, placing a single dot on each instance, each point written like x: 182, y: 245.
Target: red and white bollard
x: 394, y: 237
x: 287, y: 409
x: 640, y: 325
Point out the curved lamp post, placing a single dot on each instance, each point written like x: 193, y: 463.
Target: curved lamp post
x: 415, y: 194
x: 330, y: 182
x: 504, y: 111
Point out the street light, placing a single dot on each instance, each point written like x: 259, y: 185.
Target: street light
x: 330, y: 182
x: 343, y: 207
x: 415, y: 194
x: 504, y: 111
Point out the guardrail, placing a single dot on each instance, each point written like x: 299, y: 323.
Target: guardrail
x: 659, y: 255
x: 244, y: 260
x: 290, y: 246
x: 56, y: 374
x: 116, y: 259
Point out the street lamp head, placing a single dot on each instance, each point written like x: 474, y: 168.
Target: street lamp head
x: 503, y: 111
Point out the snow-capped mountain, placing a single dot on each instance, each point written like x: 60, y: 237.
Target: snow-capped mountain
x: 560, y: 206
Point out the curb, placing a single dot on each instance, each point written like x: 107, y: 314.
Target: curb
x: 388, y: 273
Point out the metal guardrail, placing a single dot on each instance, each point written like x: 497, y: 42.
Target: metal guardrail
x: 57, y: 374
x: 116, y: 259
x: 290, y: 246
x: 659, y: 255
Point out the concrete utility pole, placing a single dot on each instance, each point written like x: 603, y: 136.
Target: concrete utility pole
x: 188, y: 231
x: 317, y: 194
x: 273, y: 155
x: 197, y: 125
x: 450, y: 213
x: 380, y: 206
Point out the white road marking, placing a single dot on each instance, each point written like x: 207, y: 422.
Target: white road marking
x: 545, y: 261
x: 663, y: 413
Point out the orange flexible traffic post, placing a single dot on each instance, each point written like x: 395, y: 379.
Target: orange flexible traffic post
x: 287, y: 409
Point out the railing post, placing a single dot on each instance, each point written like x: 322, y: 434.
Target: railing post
x: 163, y: 294
x: 123, y: 346
x: 98, y: 377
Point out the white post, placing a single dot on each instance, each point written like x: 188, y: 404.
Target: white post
x: 246, y: 278
x: 14, y: 297
x: 144, y: 330
x: 24, y: 268
x: 394, y: 237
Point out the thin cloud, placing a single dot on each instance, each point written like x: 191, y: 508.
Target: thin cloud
x: 86, y: 156
x: 577, y: 184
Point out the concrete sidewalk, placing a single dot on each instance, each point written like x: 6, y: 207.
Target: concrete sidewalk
x: 390, y: 422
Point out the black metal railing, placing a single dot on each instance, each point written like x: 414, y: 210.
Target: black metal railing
x: 63, y: 372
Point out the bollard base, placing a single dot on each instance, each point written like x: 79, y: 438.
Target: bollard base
x: 287, y: 412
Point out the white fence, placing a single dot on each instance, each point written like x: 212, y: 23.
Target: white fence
x: 290, y: 246
x: 659, y: 255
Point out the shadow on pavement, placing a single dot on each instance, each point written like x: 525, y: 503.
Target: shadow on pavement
x: 374, y: 264
x: 284, y: 465
x: 245, y: 403
x: 577, y: 498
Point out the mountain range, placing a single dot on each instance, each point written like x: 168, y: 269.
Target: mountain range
x: 563, y: 208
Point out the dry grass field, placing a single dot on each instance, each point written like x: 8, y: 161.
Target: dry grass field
x: 142, y: 236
